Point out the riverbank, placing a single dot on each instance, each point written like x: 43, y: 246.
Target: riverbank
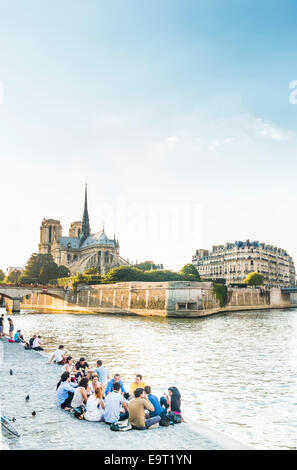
x: 176, y: 299
x: 53, y: 428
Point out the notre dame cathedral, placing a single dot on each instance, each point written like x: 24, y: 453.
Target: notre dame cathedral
x: 81, y: 250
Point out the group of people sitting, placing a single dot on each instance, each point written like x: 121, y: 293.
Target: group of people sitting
x: 33, y: 343
x: 92, y: 395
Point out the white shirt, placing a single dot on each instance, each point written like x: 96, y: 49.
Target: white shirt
x: 36, y: 343
x: 58, y: 354
x: 70, y: 368
x: 93, y: 412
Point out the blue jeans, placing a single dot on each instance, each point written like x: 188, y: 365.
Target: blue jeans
x: 164, y: 404
x: 148, y: 423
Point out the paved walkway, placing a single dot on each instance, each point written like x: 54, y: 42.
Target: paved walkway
x: 53, y: 428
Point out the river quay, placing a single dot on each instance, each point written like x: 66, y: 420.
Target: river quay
x: 182, y: 299
x: 53, y: 428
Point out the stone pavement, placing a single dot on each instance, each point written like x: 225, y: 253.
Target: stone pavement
x: 53, y: 428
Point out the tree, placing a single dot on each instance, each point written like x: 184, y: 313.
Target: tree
x: 14, y: 276
x: 163, y: 275
x: 124, y: 273
x: 63, y: 271
x: 254, y: 279
x: 190, y: 272
x: 2, y: 275
x: 146, y: 266
x: 41, y: 268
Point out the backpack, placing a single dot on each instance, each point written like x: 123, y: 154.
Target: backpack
x: 77, y: 412
x: 119, y: 426
x: 165, y: 421
x: 174, y: 418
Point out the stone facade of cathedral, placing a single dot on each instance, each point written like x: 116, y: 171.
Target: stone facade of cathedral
x: 81, y: 249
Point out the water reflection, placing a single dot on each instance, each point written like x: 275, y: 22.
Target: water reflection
x: 236, y: 372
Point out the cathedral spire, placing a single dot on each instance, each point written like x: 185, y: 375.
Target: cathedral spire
x: 85, y: 220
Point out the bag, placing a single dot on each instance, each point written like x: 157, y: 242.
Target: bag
x: 120, y: 426
x: 77, y: 412
x: 165, y: 421
x: 174, y: 418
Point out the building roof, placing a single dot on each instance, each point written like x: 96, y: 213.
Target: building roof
x: 98, y: 238
x: 73, y: 241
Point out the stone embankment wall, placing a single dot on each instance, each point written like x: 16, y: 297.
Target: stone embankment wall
x: 172, y: 299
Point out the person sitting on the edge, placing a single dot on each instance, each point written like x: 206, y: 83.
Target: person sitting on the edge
x: 173, y: 402
x: 116, y: 379
x: 37, y: 344
x: 138, y: 383
x: 95, y: 405
x: 65, y: 391
x: 137, y: 407
x: 158, y: 411
x: 59, y: 355
x: 31, y: 340
x: 18, y: 337
x: 113, y: 403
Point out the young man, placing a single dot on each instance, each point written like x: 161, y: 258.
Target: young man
x: 31, y: 340
x: 138, y: 383
x: 154, y: 401
x: 37, y: 344
x: 59, y: 355
x: 113, y: 402
x: 102, y: 373
x: 116, y: 379
x: 137, y: 407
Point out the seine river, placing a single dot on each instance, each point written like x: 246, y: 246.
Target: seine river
x: 237, y: 372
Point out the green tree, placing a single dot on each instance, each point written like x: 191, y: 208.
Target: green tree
x: 146, y: 266
x: 63, y: 271
x: 163, y: 275
x: 41, y: 268
x: 14, y: 276
x: 124, y: 273
x: 2, y: 275
x: 190, y: 272
x: 254, y: 279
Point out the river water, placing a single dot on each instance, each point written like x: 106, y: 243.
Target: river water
x: 237, y: 372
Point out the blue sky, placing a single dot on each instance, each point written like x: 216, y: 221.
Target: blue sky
x: 176, y: 112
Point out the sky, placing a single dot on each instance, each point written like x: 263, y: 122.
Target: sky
x: 178, y: 114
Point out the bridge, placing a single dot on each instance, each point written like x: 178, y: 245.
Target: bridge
x: 16, y: 293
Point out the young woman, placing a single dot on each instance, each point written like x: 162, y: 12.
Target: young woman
x: 81, y: 394
x: 172, y: 402
x: 95, y: 406
x: 11, y: 327
x: 69, y: 366
x: 65, y: 391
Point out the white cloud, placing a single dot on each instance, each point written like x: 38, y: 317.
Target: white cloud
x: 266, y: 130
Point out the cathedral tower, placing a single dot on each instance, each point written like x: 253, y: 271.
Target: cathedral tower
x: 50, y: 230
